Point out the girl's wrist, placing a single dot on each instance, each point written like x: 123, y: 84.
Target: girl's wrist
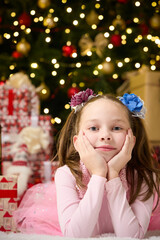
x: 100, y: 173
x: 112, y: 174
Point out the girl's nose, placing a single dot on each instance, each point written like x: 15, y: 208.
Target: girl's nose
x: 106, y: 136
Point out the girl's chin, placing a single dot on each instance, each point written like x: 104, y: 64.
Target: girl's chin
x: 108, y: 157
x: 107, y: 160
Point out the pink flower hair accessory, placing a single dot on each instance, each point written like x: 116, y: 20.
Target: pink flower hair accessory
x: 79, y: 99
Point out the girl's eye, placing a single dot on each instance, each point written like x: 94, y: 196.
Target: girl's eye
x: 117, y: 128
x: 93, y: 128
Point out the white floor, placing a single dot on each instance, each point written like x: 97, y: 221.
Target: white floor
x: 155, y: 235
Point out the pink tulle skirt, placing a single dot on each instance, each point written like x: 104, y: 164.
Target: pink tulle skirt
x: 37, y: 212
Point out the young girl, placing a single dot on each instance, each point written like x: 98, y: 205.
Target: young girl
x: 107, y: 178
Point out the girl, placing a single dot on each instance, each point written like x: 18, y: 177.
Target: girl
x: 107, y: 178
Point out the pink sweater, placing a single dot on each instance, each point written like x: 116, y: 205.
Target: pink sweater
x: 104, y: 208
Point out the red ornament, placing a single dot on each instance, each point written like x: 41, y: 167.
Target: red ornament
x: 144, y: 29
x: 2, y: 83
x: 123, y: 1
x: 116, y: 40
x: 24, y: 19
x: 16, y: 54
x: 0, y: 19
x: 72, y: 91
x: 68, y: 50
x: 53, y: 96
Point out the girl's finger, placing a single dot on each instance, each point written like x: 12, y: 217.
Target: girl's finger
x: 87, y: 143
x: 129, y: 142
x: 132, y: 138
x: 84, y: 142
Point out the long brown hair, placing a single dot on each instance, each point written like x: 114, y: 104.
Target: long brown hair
x: 141, y: 168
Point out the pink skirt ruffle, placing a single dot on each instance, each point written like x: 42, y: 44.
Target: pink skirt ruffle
x: 37, y: 212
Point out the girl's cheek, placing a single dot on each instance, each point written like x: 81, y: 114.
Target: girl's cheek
x: 123, y: 138
x: 125, y: 133
x: 89, y: 136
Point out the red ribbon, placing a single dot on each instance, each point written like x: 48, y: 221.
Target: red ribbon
x: 8, y: 193
x: 10, y: 102
x: 19, y: 163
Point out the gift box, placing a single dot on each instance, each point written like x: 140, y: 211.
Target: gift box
x: 48, y: 170
x: 8, y: 202
x: 11, y: 127
x: 18, y: 102
x: 0, y: 153
x: 157, y: 153
x: 146, y: 84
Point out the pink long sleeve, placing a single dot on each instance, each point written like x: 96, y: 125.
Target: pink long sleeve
x: 103, y: 209
x: 128, y: 221
x: 78, y: 217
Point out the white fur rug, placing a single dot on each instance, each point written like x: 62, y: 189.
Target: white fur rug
x: 155, y: 235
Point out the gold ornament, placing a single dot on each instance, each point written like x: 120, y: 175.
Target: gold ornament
x: 119, y: 23
x: 155, y: 21
x: 92, y: 18
x: 49, y: 21
x: 85, y: 44
x: 23, y: 47
x: 108, y: 67
x: 43, y: 91
x: 43, y: 3
x: 100, y: 44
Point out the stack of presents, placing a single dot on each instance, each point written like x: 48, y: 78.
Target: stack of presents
x: 8, y: 202
x: 26, y: 145
x: 146, y: 84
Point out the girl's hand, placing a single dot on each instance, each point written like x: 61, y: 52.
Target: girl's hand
x: 123, y: 157
x: 93, y: 161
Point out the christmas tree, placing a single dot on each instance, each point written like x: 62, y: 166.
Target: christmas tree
x: 67, y: 46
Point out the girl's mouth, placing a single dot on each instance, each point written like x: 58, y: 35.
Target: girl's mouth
x: 106, y: 148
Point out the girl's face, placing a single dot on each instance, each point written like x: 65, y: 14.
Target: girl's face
x: 105, y: 123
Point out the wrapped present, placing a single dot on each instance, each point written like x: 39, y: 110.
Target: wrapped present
x: 157, y: 153
x: 8, y: 202
x: 0, y: 152
x: 54, y: 166
x: 146, y: 84
x: 48, y: 170
x: 18, y: 97
x: 27, y: 128
x: 19, y: 102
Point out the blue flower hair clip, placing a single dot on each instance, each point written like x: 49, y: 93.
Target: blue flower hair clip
x: 135, y: 104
